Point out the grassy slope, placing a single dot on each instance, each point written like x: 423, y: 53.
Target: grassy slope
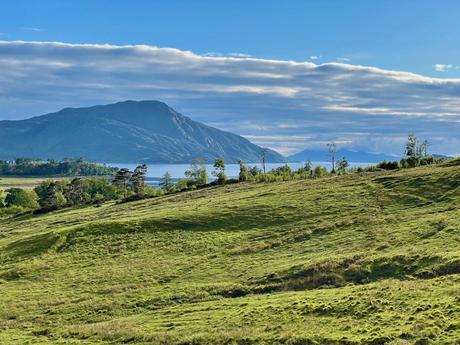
x: 368, y: 259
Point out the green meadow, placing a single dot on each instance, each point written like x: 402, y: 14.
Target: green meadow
x: 370, y: 258
x: 20, y: 182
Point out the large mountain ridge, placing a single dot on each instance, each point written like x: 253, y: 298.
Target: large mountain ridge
x: 322, y: 155
x: 124, y: 132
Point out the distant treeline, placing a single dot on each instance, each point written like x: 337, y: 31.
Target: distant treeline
x: 66, y: 167
x: 123, y: 185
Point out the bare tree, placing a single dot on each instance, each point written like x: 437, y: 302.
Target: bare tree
x: 332, y: 148
x: 424, y: 147
x: 264, y: 156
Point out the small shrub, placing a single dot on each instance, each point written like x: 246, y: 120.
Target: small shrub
x: 388, y: 165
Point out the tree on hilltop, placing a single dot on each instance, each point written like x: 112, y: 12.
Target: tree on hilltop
x: 219, y: 172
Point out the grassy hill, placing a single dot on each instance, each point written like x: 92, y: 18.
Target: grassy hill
x: 355, y: 259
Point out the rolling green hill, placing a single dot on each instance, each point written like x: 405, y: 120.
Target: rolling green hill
x: 354, y: 259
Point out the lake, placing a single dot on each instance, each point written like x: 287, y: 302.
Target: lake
x: 156, y: 171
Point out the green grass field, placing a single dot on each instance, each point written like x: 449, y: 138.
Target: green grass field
x: 354, y: 259
x: 20, y: 182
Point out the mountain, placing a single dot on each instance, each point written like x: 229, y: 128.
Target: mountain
x: 350, y: 155
x: 130, y: 131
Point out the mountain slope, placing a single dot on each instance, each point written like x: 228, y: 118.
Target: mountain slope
x: 352, y: 156
x: 356, y: 259
x: 130, y: 132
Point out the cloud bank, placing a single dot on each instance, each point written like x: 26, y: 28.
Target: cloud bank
x: 285, y: 105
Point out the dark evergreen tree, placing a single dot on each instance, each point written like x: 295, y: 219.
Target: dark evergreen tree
x: 74, y: 191
x: 53, y: 198
x: 121, y: 180
x: 138, y: 179
x: 166, y: 182
x: 342, y: 165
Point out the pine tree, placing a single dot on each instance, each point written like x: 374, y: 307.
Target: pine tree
x: 138, y: 179
x: 53, y: 197
x: 121, y: 180
x: 74, y: 191
x: 166, y: 182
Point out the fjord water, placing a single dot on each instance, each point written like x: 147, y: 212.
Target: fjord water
x: 156, y: 171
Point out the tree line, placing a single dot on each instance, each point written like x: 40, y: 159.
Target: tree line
x: 126, y: 185
x: 66, y: 167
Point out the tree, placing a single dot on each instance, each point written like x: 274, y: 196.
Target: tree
x: 47, y: 192
x: 254, y: 171
x: 306, y: 170
x: 74, y: 192
x: 219, y: 166
x: 121, y: 180
x: 264, y: 156
x: 332, y: 148
x: 53, y: 198
x: 411, y: 146
x: 342, y: 165
x: 412, y: 151
x: 138, y: 179
x: 21, y: 197
x: 166, y: 182
x: 319, y: 171
x: 197, y: 174
x: 244, y: 172
x: 424, y: 148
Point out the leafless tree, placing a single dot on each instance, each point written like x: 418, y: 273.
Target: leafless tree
x: 424, y: 147
x: 264, y: 156
x: 332, y: 148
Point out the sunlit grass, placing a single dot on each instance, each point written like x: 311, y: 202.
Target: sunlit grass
x: 356, y: 259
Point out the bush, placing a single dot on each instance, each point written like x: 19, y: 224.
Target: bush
x: 428, y: 160
x: 388, y: 165
x: 24, y: 198
x: 319, y: 171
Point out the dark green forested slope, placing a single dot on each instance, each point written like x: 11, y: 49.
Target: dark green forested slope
x: 355, y: 259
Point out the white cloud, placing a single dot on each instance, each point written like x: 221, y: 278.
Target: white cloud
x: 216, y: 54
x: 315, y: 57
x: 266, y: 100
x: 439, y: 67
x: 32, y: 29
x: 240, y: 55
x: 343, y: 59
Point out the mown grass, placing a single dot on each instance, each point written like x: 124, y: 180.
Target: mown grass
x: 355, y: 259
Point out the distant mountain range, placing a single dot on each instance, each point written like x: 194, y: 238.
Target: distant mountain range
x: 125, y: 132
x: 350, y: 155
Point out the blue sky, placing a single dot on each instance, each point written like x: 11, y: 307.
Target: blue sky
x: 403, y: 35
x: 287, y: 75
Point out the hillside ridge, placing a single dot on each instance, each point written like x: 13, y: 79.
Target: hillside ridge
x: 124, y: 132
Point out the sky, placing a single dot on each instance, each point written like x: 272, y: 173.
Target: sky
x: 287, y: 75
